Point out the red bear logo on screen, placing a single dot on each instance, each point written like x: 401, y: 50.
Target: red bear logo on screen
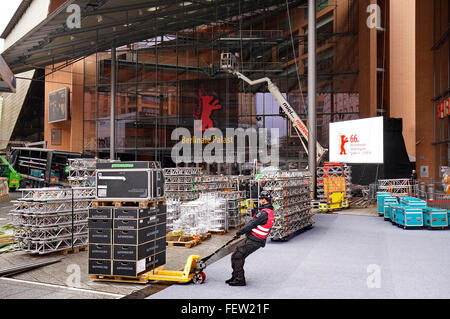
x: 344, y: 140
x: 206, y: 105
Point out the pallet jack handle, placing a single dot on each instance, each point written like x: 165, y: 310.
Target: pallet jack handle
x: 202, y: 262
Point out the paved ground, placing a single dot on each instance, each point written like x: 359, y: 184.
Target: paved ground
x: 329, y: 261
x: 57, y: 277
x: 60, y: 281
x: 342, y: 256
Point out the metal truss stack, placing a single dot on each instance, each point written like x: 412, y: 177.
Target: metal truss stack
x: 82, y: 171
x: 187, y: 183
x: 52, y: 219
x: 332, y: 170
x: 236, y: 211
x: 182, y: 183
x: 291, y: 201
x: 215, y: 183
x: 396, y: 187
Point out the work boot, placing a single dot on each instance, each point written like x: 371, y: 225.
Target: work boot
x: 229, y: 280
x: 237, y: 282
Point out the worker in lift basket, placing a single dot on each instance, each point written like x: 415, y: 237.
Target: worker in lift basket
x: 257, y: 231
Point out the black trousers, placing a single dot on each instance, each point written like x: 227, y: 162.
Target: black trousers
x: 243, y: 250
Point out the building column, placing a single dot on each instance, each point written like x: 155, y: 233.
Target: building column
x: 367, y: 45
x: 402, y: 67
x: 312, y: 83
x: 112, y: 143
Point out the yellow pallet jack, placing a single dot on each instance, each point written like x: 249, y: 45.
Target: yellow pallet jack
x: 193, y: 270
x: 185, y: 276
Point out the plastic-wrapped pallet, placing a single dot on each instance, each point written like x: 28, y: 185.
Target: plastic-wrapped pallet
x: 208, y: 213
x: 173, y: 212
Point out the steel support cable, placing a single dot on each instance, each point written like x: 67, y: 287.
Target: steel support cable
x: 293, y: 52
x: 241, y: 42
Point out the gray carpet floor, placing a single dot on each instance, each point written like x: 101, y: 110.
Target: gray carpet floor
x: 341, y: 257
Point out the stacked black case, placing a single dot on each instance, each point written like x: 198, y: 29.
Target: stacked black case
x: 126, y: 241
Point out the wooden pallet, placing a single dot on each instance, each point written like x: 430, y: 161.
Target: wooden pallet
x: 128, y: 204
x: 142, y: 279
x: 359, y: 203
x: 74, y: 250
x: 185, y: 241
x: 217, y: 232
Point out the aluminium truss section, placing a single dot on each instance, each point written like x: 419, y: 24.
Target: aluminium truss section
x: 334, y: 171
x: 82, y: 171
x: 49, y: 220
x: 57, y: 194
x: 182, y: 183
x: 397, y: 187
x: 185, y: 171
x: 182, y: 179
x: 39, y: 234
x: 50, y: 246
x: 45, y: 208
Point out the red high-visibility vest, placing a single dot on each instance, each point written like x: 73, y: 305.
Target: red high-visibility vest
x: 262, y: 231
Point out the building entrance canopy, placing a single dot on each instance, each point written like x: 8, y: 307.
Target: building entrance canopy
x: 79, y: 28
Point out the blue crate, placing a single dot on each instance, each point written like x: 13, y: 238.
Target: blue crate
x: 388, y: 203
x: 392, y: 213
x: 396, y: 210
x: 380, y: 201
x: 407, y: 216
x: 435, y: 217
x: 413, y: 202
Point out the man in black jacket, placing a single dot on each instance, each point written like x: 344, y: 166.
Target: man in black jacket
x: 256, y: 230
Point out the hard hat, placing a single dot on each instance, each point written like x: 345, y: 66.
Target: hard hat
x: 266, y: 195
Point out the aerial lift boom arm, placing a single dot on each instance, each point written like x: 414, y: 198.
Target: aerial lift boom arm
x: 228, y: 63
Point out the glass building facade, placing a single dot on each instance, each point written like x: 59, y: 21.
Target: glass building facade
x: 170, y: 81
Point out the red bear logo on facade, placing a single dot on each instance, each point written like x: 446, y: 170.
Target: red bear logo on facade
x: 206, y: 105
